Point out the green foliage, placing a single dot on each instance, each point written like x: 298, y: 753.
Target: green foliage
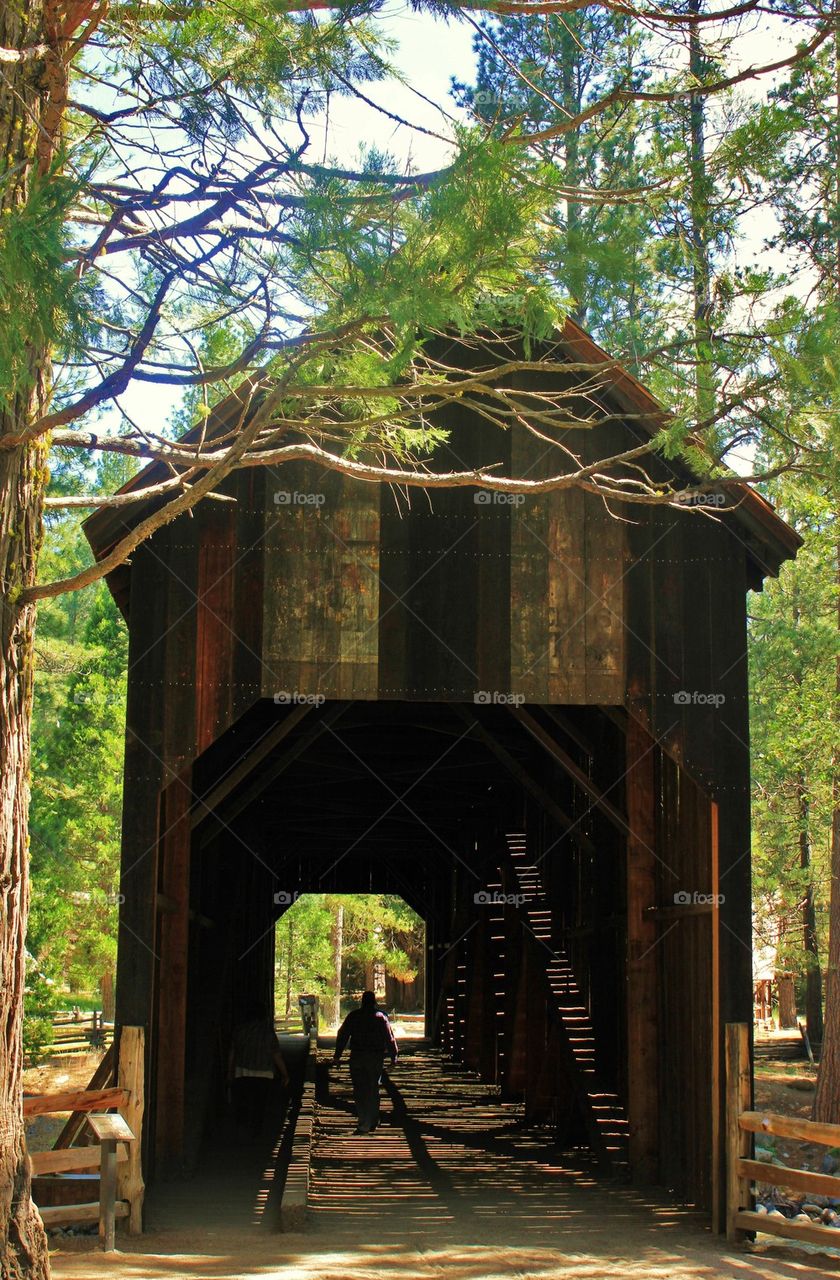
x: 39, y: 1009
x: 41, y: 301
x: 379, y: 929
x: 78, y: 742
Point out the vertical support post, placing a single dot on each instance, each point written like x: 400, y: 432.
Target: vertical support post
x: 107, y: 1193
x: 642, y: 976
x: 718, y: 1067
x: 174, y: 956
x: 738, y: 1143
x: 131, y: 1076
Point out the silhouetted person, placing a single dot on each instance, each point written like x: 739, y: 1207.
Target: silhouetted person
x: 370, y: 1036
x: 254, y: 1057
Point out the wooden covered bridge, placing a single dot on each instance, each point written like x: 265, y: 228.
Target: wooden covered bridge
x: 529, y: 719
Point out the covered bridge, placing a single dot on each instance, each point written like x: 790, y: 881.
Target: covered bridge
x: 529, y: 719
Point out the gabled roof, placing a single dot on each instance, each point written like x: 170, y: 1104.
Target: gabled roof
x: 769, y: 540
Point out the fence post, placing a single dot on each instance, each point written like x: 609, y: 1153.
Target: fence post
x: 738, y: 1143
x: 130, y: 1077
x: 107, y: 1192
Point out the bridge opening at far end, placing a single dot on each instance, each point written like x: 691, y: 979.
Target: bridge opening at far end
x: 330, y: 948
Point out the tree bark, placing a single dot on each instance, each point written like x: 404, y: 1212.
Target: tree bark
x: 575, y: 265
x: 813, y: 973
x: 31, y: 97
x: 23, y: 1245
x: 705, y: 392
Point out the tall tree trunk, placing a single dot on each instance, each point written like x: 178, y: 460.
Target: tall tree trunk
x: 699, y: 201
x: 23, y: 1248
x: 827, y: 1098
x: 337, y: 954
x: 24, y: 139
x: 813, y: 973
x: 575, y: 266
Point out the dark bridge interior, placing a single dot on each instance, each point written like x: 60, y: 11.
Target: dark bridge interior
x: 506, y: 828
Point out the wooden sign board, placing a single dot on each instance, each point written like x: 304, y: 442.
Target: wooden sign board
x: 110, y: 1128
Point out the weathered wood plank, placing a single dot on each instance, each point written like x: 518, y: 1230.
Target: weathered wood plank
x: 779, y: 1175
x: 74, y: 1100
x: 59, y: 1215
x: 826, y: 1135
x: 131, y: 1076
x: 176, y: 802
x: 811, y: 1232
x: 642, y: 957
x: 70, y: 1160
x: 738, y: 1090
x: 215, y: 623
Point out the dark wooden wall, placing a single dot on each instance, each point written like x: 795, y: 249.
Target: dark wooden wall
x: 634, y: 619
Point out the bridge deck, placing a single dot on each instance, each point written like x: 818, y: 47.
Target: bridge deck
x: 449, y: 1184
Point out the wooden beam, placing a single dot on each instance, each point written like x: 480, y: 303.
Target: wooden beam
x: 738, y: 1089
x: 59, y: 1214
x: 717, y: 1064
x: 131, y: 1076
x: 811, y: 1232
x: 103, y: 1076
x: 530, y: 784
x: 206, y: 804
x: 568, y: 765
x: 278, y: 766
x: 824, y: 1134
x: 566, y: 725
x: 69, y: 1160
x: 642, y: 958
x: 173, y: 940
x: 75, y: 1100
x: 779, y: 1175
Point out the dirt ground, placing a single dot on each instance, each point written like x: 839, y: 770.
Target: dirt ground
x: 71, y: 1071
x: 787, y: 1088
x: 610, y: 1245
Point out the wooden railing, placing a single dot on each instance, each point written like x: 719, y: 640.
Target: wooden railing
x: 117, y: 1157
x: 79, y: 1033
x: 743, y: 1170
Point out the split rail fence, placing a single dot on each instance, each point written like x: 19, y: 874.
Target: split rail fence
x: 742, y: 1124
x: 116, y: 1154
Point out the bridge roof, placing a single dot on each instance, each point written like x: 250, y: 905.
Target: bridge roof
x: 769, y: 539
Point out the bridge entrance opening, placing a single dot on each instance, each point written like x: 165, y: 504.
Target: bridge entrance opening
x: 329, y: 948
x: 507, y: 858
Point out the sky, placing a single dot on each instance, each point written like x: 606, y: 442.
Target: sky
x: 430, y: 53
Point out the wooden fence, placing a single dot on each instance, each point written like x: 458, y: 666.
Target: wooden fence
x: 742, y: 1124
x: 79, y: 1033
x: 116, y: 1157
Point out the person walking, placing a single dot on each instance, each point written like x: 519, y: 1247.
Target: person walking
x: 370, y: 1037
x: 254, y: 1058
